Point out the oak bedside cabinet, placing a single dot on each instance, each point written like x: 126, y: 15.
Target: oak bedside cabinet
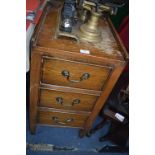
x: 69, y: 81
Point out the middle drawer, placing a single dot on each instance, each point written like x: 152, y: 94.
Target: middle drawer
x: 65, y: 100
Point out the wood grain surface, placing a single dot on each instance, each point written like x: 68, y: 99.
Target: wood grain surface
x: 53, y: 68
x: 46, y: 117
x: 48, y: 98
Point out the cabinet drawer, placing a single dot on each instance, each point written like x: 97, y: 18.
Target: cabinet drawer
x: 61, y: 118
x: 68, y: 101
x: 74, y: 74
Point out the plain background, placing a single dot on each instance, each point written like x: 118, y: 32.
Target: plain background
x: 13, y: 77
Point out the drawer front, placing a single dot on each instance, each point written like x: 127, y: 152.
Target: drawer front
x: 68, y: 101
x: 61, y: 119
x: 74, y: 74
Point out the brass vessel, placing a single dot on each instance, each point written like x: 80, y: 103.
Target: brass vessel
x: 90, y: 31
x: 86, y: 30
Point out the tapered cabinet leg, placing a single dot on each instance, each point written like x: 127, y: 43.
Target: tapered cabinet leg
x: 33, y: 115
x: 33, y: 128
x: 32, y: 124
x: 81, y: 133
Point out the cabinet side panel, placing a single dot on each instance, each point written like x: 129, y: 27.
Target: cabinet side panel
x: 104, y: 96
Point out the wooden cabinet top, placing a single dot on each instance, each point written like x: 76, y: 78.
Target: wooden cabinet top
x: 111, y: 46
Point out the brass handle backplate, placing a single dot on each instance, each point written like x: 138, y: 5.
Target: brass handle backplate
x: 56, y: 120
x: 66, y: 74
x: 60, y: 101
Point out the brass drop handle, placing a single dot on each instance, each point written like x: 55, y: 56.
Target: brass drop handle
x: 56, y: 120
x: 60, y: 101
x: 66, y: 74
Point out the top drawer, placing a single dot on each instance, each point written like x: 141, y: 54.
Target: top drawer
x: 74, y: 74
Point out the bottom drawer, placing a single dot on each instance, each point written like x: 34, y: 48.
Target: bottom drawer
x: 61, y: 118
